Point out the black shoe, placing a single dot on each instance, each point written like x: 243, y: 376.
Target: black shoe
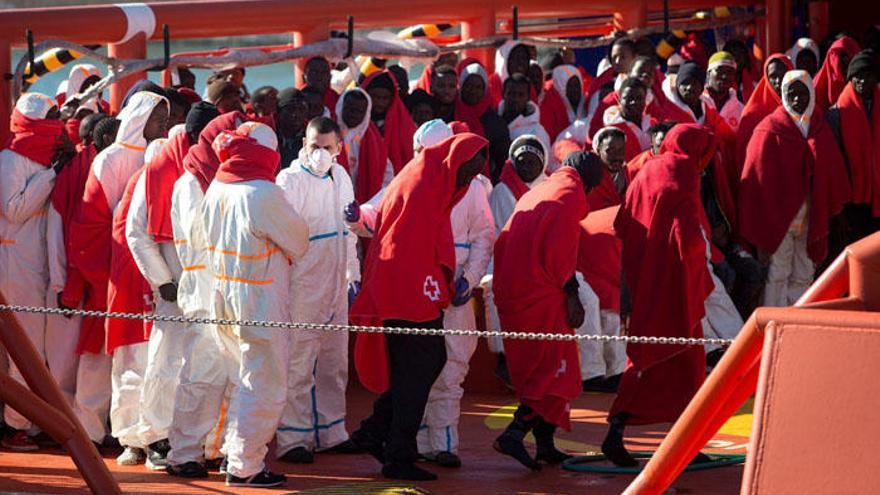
x: 713, y: 357
x: 346, y: 447
x: 509, y: 444
x: 406, y: 471
x: 298, y: 455
x: 547, y: 451
x: 613, y: 383
x: 263, y: 479
x: 448, y: 460
x: 191, y: 469
x: 45, y: 441
x: 613, y: 447
x: 595, y: 384
x: 216, y: 465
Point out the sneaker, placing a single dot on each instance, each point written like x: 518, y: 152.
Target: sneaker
x: 191, y: 469
x: 224, y: 466
x: 45, y: 441
x: 447, y: 459
x: 18, y: 441
x: 263, y: 479
x: 131, y: 456
x: 298, y: 455
x: 156, y: 461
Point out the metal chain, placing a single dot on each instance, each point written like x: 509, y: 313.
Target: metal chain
x: 359, y: 328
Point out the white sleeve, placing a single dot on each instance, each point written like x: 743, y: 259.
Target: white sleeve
x: 55, y: 250
x: 145, y: 251
x: 502, y: 204
x: 276, y: 221
x: 22, y: 195
x: 346, y: 196
x: 389, y: 174
x: 481, y: 236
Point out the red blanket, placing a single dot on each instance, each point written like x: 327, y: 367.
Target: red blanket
x: 127, y: 291
x: 762, y: 103
x: 243, y: 159
x: 66, y: 198
x: 511, y: 179
x: 201, y: 160
x: 536, y: 254
x: 35, y: 138
x: 605, y: 194
x: 664, y: 262
x: 782, y: 171
x: 89, y: 252
x: 861, y: 144
x: 399, y: 127
x: 409, y: 269
x: 636, y: 164
x: 554, y: 116
x: 831, y: 78
x: 161, y: 174
x: 372, y: 161
x: 599, y: 257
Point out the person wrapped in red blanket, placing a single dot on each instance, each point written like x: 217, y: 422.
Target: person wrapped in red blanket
x: 536, y: 291
x: 664, y: 265
x: 408, y: 281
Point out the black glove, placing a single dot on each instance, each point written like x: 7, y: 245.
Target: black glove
x: 59, y: 297
x: 168, y: 292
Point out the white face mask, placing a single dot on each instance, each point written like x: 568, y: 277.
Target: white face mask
x: 318, y: 161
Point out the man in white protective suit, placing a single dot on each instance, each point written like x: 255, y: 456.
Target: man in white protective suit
x: 205, y: 376
x: 27, y: 175
x: 160, y: 267
x: 251, y: 233
x: 318, y: 188
x: 474, y: 237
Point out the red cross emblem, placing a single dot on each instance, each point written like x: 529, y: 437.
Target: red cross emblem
x: 431, y: 288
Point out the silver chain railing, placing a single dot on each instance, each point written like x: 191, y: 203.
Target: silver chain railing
x: 631, y: 339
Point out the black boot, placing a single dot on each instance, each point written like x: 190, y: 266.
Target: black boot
x: 511, y: 441
x: 547, y: 451
x: 613, y: 447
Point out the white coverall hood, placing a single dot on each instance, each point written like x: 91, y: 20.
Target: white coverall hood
x: 133, y: 118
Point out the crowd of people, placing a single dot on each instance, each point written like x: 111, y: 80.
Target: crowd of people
x: 635, y: 201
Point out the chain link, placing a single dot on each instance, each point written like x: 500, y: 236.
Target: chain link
x: 359, y: 328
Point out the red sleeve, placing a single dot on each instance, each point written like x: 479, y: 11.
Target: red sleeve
x: 90, y: 235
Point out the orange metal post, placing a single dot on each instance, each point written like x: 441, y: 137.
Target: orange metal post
x: 133, y: 48
x: 776, y: 22
x: 480, y: 27
x: 5, y: 90
x: 36, y: 374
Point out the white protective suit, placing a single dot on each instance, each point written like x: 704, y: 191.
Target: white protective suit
x: 113, y: 168
x: 159, y: 265
x: 25, y: 187
x: 198, y: 402
x: 251, y: 232
x: 314, y: 416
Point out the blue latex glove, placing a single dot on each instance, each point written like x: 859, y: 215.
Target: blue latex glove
x: 352, y: 212
x: 354, y: 289
x: 462, y: 292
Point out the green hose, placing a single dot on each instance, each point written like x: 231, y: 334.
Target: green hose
x: 581, y: 464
